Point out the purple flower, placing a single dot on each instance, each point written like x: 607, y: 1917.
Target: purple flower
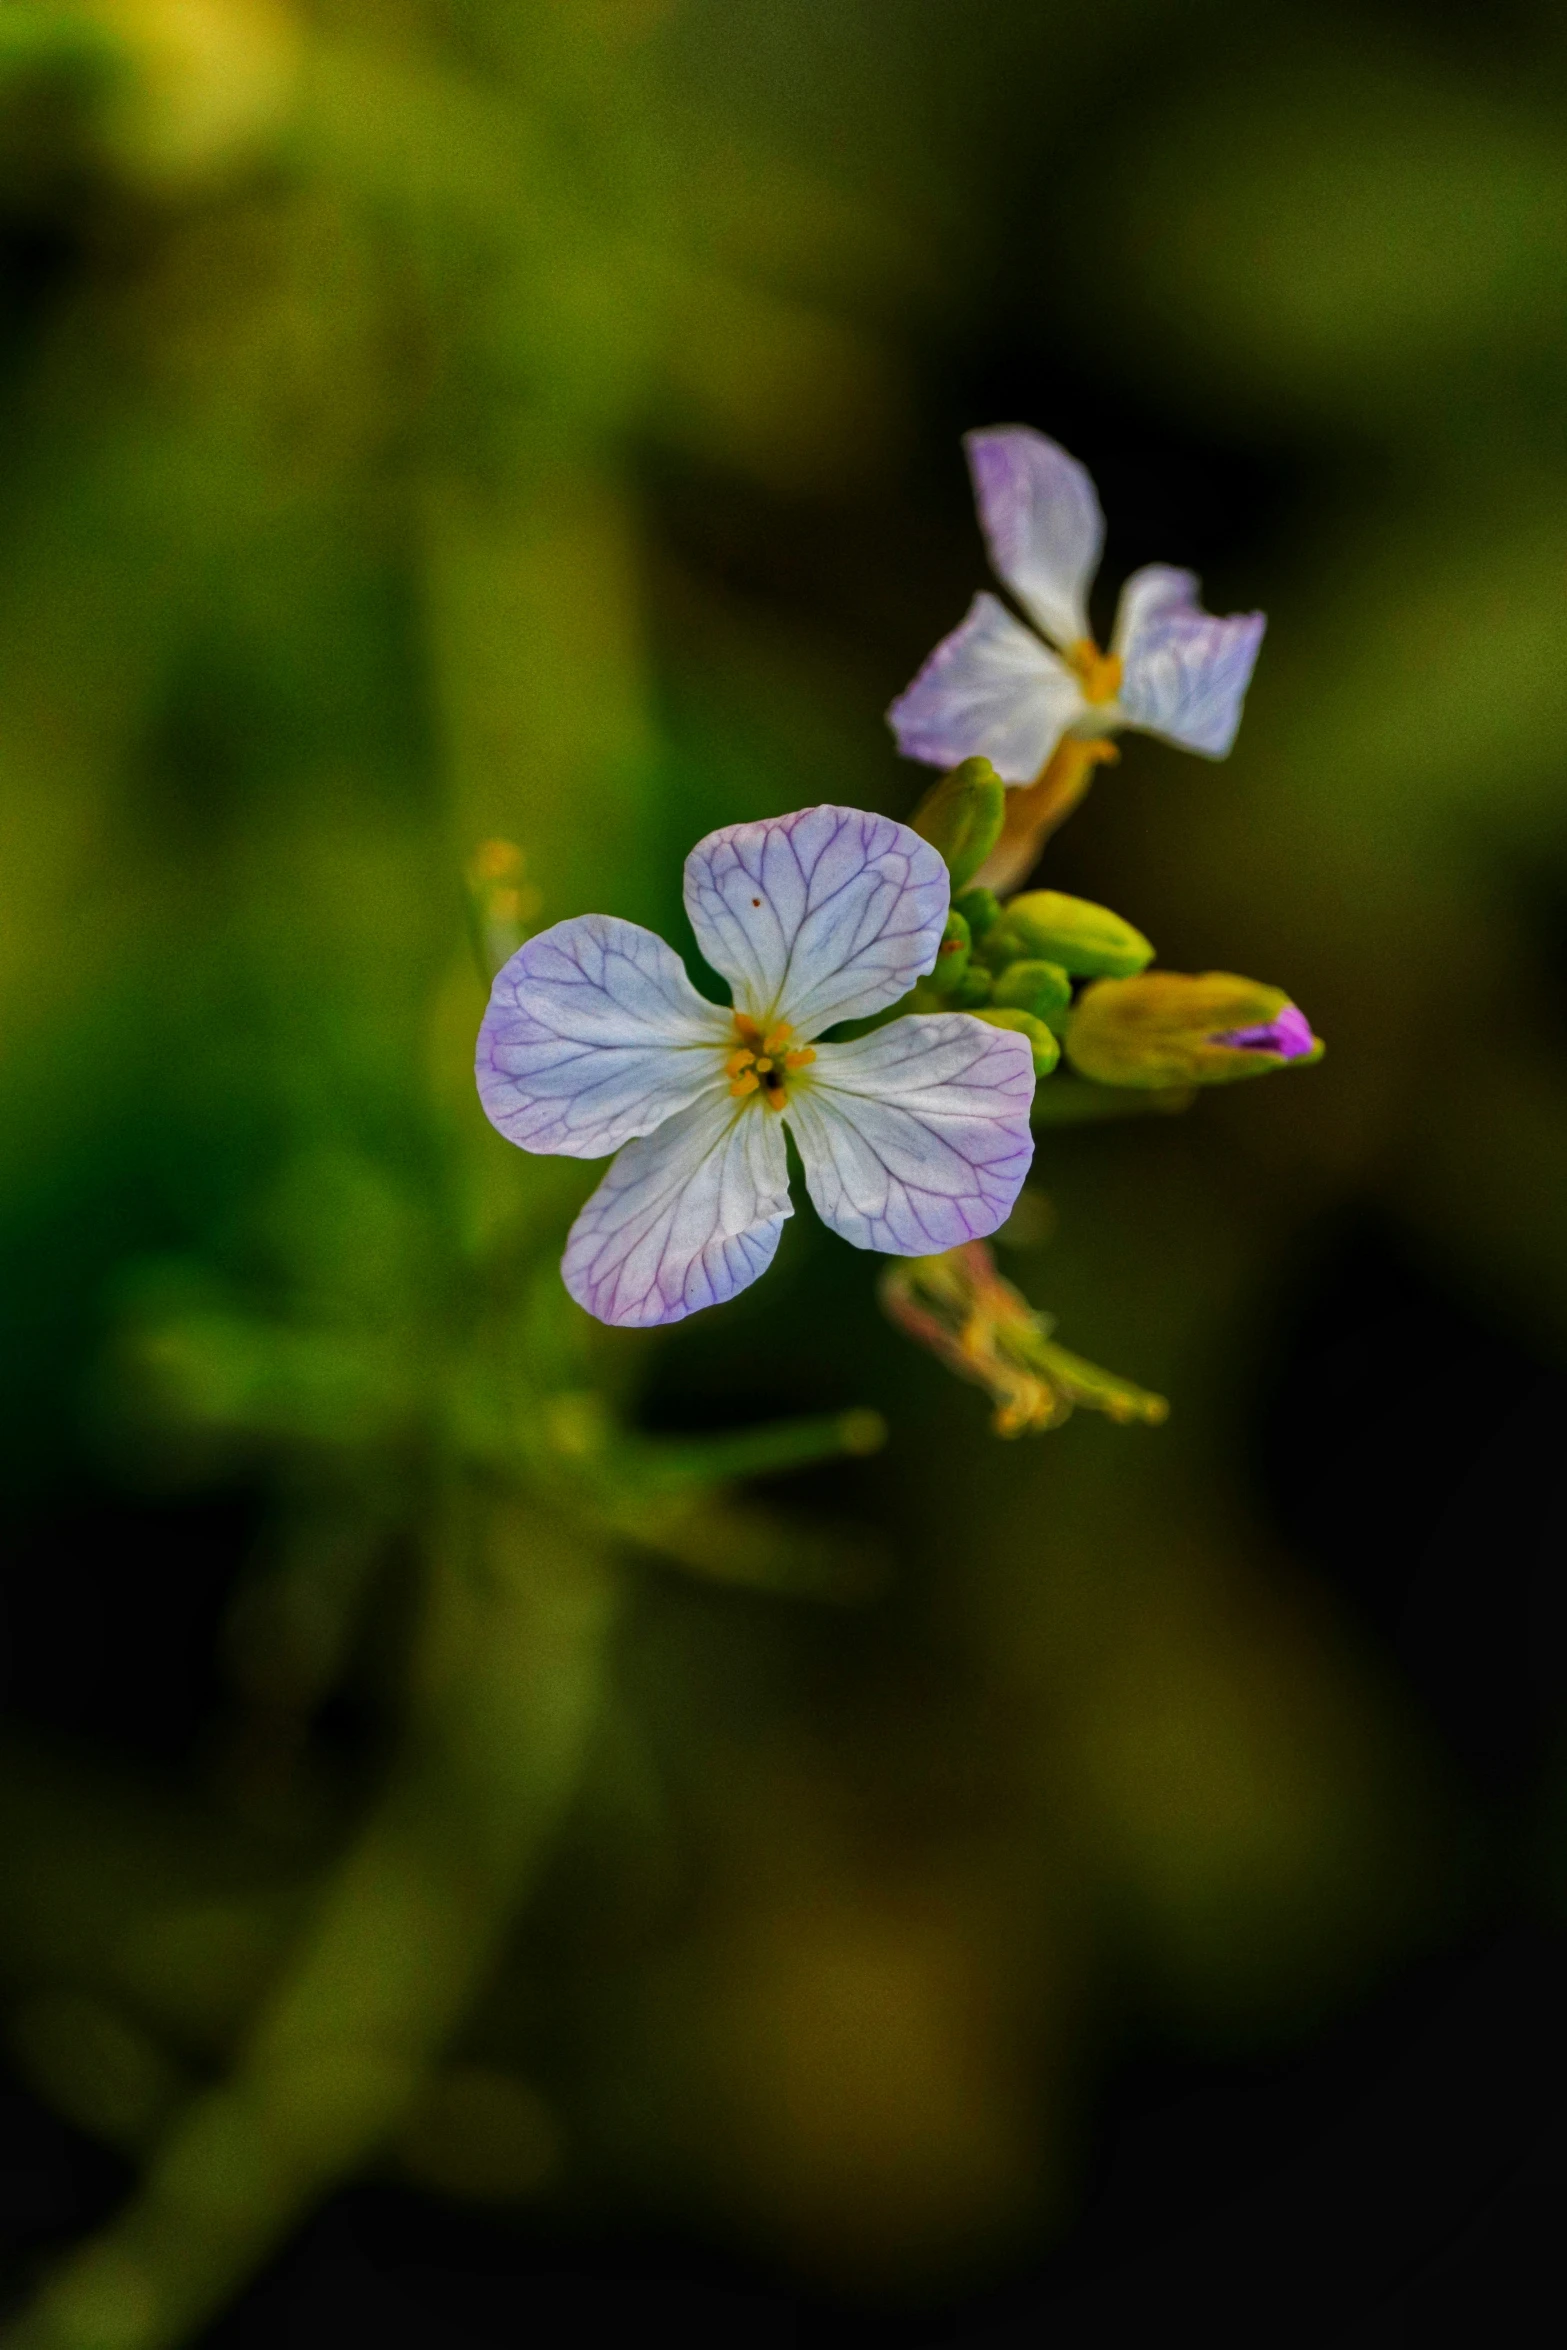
x: 994, y: 688
x: 914, y: 1138
x: 1288, y: 1034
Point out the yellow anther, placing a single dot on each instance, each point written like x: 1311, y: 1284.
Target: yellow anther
x: 1100, y: 672
x: 763, y: 1062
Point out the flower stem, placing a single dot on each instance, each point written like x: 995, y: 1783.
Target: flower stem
x: 509, y: 1676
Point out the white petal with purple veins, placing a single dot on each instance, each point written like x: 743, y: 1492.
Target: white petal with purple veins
x: 916, y: 1137
x: 1042, y: 524
x: 990, y: 690
x: 685, y: 1218
x: 1185, y: 672
x: 594, y: 1034
x: 830, y: 914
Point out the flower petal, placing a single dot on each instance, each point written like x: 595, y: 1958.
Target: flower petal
x: 916, y: 1137
x: 1042, y: 524
x: 990, y: 690
x: 829, y: 914
x: 594, y: 1034
x: 1185, y: 673
x: 685, y: 1218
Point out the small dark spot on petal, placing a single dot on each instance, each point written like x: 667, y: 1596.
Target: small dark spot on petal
x: 756, y: 901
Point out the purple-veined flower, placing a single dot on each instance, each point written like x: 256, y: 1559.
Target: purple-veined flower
x: 913, y: 1137
x: 999, y: 690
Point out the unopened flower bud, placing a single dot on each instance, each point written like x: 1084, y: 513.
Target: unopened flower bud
x: 980, y: 909
x: 952, y: 960
x: 1038, y: 987
x: 961, y: 817
x: 1087, y: 940
x: 1165, y: 1028
x: 1289, y: 1035
x: 972, y: 990
x: 1042, y: 1040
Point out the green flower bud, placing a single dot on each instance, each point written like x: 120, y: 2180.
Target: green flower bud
x: 972, y: 990
x: 961, y: 816
x: 1087, y: 940
x: 1041, y: 988
x: 980, y: 909
x: 952, y: 959
x: 1046, y: 1050
x: 1166, y: 1028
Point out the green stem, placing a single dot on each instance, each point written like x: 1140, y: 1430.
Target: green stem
x: 510, y: 1672
x: 1073, y: 1101
x: 670, y: 1465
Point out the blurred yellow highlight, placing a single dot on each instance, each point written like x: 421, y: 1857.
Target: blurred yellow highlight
x: 210, y: 84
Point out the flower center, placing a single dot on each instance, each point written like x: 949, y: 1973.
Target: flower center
x: 1100, y: 672
x: 761, y: 1064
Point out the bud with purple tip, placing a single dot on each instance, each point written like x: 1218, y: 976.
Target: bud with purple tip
x: 1171, y: 1028
x: 1289, y: 1035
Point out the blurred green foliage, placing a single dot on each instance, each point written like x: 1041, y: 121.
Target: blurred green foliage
x: 434, y: 424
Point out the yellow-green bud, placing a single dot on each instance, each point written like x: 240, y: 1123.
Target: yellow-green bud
x: 1045, y: 1047
x: 1166, y: 1028
x: 1087, y: 940
x: 1041, y: 988
x: 961, y: 816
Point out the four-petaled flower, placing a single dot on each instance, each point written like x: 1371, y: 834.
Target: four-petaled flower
x: 913, y: 1137
x: 994, y: 689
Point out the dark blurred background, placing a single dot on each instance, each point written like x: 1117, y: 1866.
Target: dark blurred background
x: 1140, y: 1894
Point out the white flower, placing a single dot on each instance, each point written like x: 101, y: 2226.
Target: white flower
x: 913, y: 1138
x: 995, y: 689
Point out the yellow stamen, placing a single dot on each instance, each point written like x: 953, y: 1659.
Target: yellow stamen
x: 762, y: 1063
x: 1100, y: 672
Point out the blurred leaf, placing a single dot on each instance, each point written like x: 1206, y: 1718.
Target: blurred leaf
x: 1245, y: 227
